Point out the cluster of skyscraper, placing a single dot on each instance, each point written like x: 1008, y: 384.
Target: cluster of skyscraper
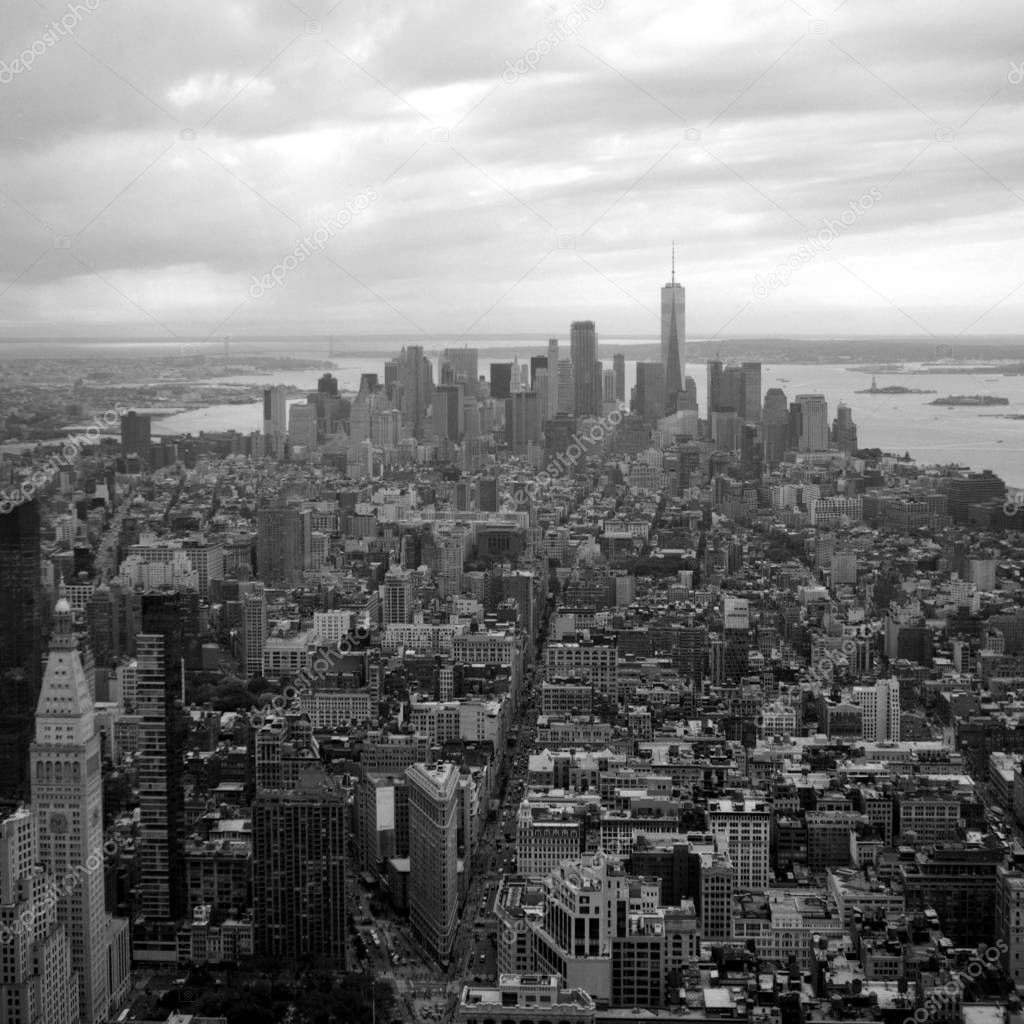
x: 66, y: 959
x: 514, y: 402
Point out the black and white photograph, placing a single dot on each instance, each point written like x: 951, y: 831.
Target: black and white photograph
x: 511, y: 513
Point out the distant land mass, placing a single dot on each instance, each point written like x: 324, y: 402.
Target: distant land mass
x: 854, y: 350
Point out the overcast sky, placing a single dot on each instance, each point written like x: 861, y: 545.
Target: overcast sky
x: 160, y: 158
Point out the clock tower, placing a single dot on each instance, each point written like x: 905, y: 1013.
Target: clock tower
x: 67, y: 797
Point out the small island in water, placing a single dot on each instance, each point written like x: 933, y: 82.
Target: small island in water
x: 893, y: 389
x: 970, y: 400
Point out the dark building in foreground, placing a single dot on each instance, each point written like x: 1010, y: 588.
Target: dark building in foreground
x: 958, y: 881
x: 161, y: 800
x: 167, y: 645
x: 299, y: 868
x: 20, y: 643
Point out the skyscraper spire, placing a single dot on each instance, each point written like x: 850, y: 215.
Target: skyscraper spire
x: 673, y: 335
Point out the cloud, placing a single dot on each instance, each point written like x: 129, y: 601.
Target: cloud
x: 181, y: 149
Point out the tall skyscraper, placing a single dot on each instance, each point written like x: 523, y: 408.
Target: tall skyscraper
x: 67, y: 796
x: 673, y: 304
x: 102, y: 621
x: 416, y: 381
x: 279, y: 546
x: 298, y: 860
x: 471, y: 418
x: 433, y: 855
x: 359, y: 422
x: 302, y: 425
x: 542, y: 385
x: 673, y: 368
x: 619, y: 369
x: 20, y: 642
x: 36, y: 979
x: 171, y: 619
x: 880, y: 710
x: 135, y: 434
x: 450, y: 557
x: 814, y: 423
x: 716, y: 374
x: 522, y: 421
x: 552, y: 378
x: 386, y: 427
x: 566, y: 389
x: 743, y: 827
x: 275, y: 411
x: 537, y: 363
x: 520, y: 375
x: 844, y: 430
x: 397, y: 597
x: 649, y: 394
x: 447, y: 412
x: 254, y: 628
x: 501, y: 380
x: 608, y: 387
x: 775, y: 425
x: 586, y: 368
x: 463, y: 364
x: 161, y: 804
x: 750, y: 375
x: 327, y: 384
x: 736, y: 389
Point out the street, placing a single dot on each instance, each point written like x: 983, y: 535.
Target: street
x: 477, y: 924
x: 383, y: 944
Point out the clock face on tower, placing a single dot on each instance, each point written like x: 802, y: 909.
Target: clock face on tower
x: 58, y: 824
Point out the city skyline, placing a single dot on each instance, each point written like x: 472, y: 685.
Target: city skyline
x: 453, y: 566
x: 469, y: 572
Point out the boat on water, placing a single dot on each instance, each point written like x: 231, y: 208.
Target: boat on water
x: 970, y: 400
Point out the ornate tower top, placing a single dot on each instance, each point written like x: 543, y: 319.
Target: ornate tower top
x: 65, y: 710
